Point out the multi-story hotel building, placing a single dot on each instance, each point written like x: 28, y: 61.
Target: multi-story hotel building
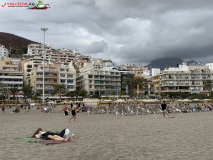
x: 51, y: 77
x: 36, y: 49
x: 67, y: 76
x: 188, y: 79
x: 98, y: 81
x: 10, y: 75
x: 3, y: 51
x: 54, y: 74
x: 30, y: 65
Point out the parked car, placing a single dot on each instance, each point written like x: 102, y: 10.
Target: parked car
x: 43, y: 6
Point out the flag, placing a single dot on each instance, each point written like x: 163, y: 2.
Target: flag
x: 137, y: 89
x: 115, y: 89
x: 149, y: 89
x: 126, y: 89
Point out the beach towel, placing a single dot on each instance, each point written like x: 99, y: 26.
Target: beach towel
x: 48, y: 142
x: 29, y: 139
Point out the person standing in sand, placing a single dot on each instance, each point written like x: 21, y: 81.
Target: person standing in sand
x: 74, y: 110
x: 164, y: 109
x: 3, y: 108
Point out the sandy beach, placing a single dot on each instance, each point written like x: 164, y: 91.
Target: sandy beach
x: 106, y: 136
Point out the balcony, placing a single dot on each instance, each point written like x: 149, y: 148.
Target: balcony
x: 12, y: 82
x: 46, y: 76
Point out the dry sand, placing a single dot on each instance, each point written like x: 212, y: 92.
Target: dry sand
x: 106, y: 136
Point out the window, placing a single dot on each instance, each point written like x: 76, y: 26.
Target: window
x: 62, y: 81
x: 61, y: 70
x: 69, y: 81
x: 90, y: 81
x: 69, y: 76
x: 91, y: 93
x: 70, y: 86
x: 90, y: 76
x: 90, y: 86
x: 62, y: 75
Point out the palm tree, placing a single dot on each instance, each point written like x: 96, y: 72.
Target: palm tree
x: 58, y: 88
x: 27, y: 91
x: 2, y: 90
x: 129, y: 80
x: 139, y: 81
x: 13, y: 90
x: 52, y: 94
x: 132, y: 83
x: 208, y: 86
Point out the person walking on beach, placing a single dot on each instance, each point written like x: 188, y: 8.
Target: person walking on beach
x: 28, y: 107
x: 164, y: 109
x: 74, y: 110
x: 3, y: 108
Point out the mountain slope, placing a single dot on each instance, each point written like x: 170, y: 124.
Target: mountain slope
x: 11, y: 40
x: 167, y: 62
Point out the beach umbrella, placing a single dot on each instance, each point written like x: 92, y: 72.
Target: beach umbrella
x: 195, y: 100
x: 207, y: 100
x: 165, y: 100
x: 151, y: 100
x: 51, y: 102
x: 186, y: 100
x: 130, y: 100
x: 108, y: 101
x: 120, y: 101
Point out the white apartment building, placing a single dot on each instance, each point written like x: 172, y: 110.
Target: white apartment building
x: 98, y: 81
x: 28, y: 66
x: 3, y: 51
x: 155, y: 71
x: 61, y: 56
x: 188, y: 79
x: 67, y: 76
x: 37, y: 49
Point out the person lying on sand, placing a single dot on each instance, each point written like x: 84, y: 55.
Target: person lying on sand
x: 39, y: 134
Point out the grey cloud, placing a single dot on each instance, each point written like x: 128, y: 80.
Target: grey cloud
x: 96, y: 47
x: 135, y: 31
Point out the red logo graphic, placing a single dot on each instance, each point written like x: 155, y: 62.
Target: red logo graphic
x: 3, y: 5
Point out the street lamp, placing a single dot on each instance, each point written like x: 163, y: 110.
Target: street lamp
x: 43, y: 29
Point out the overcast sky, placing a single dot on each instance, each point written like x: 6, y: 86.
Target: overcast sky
x: 125, y: 31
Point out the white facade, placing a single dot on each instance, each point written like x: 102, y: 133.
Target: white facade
x: 36, y: 49
x: 146, y: 72
x: 67, y: 76
x: 155, y: 71
x: 98, y: 81
x: 32, y: 63
x: 3, y: 51
x: 210, y: 65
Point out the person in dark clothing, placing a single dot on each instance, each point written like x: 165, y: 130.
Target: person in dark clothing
x: 71, y: 105
x: 50, y: 135
x: 163, y: 105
